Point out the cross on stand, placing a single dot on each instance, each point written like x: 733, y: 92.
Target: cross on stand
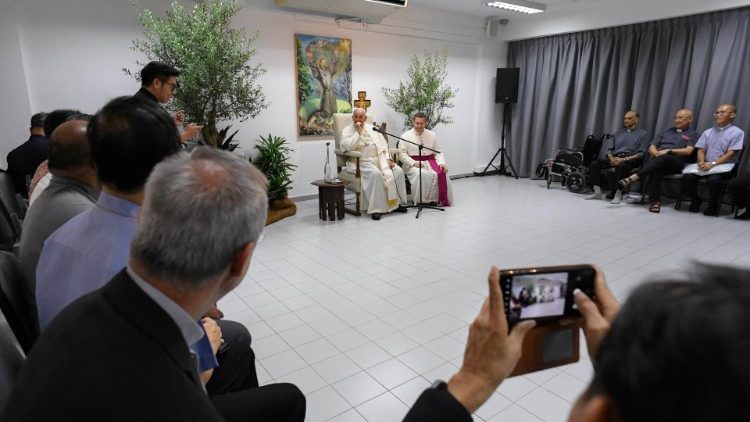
x: 361, y: 102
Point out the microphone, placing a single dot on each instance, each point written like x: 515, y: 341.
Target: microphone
x: 376, y: 128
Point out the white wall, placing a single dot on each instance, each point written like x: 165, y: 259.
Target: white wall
x: 15, y: 110
x: 69, y: 54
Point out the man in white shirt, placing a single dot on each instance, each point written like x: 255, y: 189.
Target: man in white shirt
x: 435, y: 185
x: 383, y: 183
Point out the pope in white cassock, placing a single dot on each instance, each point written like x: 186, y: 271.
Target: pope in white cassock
x: 383, y: 183
x: 436, y: 186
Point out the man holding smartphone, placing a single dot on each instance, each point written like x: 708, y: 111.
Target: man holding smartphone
x: 676, y: 351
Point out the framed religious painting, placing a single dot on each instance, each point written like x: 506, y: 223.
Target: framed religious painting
x: 324, y: 82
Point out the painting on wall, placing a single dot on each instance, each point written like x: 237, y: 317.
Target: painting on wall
x: 324, y: 82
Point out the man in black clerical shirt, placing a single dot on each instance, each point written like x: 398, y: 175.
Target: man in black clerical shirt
x: 668, y: 154
x: 624, y: 154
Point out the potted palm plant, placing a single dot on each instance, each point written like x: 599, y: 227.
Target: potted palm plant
x: 272, y: 159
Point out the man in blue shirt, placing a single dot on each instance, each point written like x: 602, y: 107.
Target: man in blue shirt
x: 624, y: 154
x: 126, y: 351
x: 718, y: 145
x: 668, y: 154
x: 127, y: 139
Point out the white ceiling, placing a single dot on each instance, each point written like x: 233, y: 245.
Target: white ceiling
x: 561, y: 16
x: 477, y: 7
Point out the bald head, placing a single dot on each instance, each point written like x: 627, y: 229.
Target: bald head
x: 69, y: 146
x: 683, y: 118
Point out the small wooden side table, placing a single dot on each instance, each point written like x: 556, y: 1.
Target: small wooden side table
x: 330, y: 199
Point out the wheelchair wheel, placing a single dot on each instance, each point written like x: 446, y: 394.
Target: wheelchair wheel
x: 576, y: 182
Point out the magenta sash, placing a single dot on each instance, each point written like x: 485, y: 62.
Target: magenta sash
x: 442, y: 178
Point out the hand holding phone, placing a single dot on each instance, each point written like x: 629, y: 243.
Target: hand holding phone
x: 598, y: 312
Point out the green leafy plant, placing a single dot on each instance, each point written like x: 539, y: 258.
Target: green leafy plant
x: 272, y: 160
x: 217, y: 82
x: 425, y: 90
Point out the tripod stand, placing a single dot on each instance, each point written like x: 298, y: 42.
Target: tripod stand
x: 502, y: 150
x: 420, y: 205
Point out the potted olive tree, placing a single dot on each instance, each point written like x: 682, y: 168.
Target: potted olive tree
x: 218, y: 82
x: 425, y: 90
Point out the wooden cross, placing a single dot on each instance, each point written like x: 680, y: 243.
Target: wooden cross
x: 362, y: 102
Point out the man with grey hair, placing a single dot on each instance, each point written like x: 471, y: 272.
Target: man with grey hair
x: 128, y: 137
x: 719, y: 149
x: 383, y: 182
x: 200, y: 222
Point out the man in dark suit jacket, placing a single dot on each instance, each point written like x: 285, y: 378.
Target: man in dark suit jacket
x: 126, y: 351
x: 24, y: 159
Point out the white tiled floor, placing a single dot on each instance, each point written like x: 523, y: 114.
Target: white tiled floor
x: 363, y: 315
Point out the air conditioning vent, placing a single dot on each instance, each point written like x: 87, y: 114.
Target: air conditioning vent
x: 368, y: 11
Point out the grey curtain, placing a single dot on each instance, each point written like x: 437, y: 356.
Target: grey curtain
x: 576, y: 84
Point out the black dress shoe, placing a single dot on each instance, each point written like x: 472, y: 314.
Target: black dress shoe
x: 711, y: 211
x: 401, y: 208
x: 375, y: 216
x: 744, y: 216
x: 695, y: 205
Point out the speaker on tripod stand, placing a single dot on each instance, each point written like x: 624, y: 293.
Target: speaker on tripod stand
x: 506, y: 92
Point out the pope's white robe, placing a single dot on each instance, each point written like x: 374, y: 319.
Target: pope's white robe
x: 383, y: 188
x: 429, y: 176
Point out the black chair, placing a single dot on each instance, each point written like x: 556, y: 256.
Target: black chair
x: 17, y: 301
x: 12, y: 358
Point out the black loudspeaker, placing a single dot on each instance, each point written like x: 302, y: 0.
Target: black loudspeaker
x: 506, y: 86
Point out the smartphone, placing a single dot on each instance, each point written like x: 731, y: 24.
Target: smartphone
x: 544, y: 294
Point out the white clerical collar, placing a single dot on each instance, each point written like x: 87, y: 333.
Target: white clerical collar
x: 679, y: 130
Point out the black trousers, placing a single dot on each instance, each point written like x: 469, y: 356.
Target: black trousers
x: 622, y: 171
x: 274, y: 402
x: 657, y: 167
x: 236, y: 370
x: 234, y: 389
x: 740, y: 188
x: 690, y: 186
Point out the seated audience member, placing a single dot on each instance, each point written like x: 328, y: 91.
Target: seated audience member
x: 73, y: 189
x: 677, y: 351
x: 383, y: 183
x: 40, y: 179
x: 668, y: 154
x: 435, y: 186
x: 127, y: 139
x: 124, y: 352
x: 158, y: 85
x: 624, y: 155
x: 718, y: 145
x: 740, y: 189
x: 24, y: 159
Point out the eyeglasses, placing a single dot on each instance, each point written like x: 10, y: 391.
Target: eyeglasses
x: 719, y: 113
x: 173, y: 85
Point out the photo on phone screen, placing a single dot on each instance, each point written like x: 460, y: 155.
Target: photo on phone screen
x: 539, y: 295
x: 544, y: 293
